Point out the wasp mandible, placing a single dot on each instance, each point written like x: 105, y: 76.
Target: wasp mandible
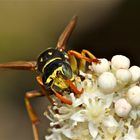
x: 55, y: 71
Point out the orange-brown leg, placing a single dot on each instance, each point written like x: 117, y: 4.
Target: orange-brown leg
x: 80, y: 56
x: 73, y: 63
x: 60, y: 97
x: 73, y: 87
x: 39, y: 80
x: 33, y: 116
x: 90, y: 55
x: 63, y: 99
x: 83, y: 58
x: 83, y: 62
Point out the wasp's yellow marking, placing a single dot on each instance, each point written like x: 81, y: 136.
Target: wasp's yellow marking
x: 53, y: 75
x: 72, y: 78
x: 41, y: 60
x: 50, y: 53
x: 60, y: 82
x: 56, y: 58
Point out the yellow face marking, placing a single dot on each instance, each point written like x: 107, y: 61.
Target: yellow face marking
x: 53, y: 75
x: 56, y: 58
x: 60, y: 82
x: 72, y: 78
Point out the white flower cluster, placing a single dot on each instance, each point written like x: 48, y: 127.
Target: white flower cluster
x: 108, y: 109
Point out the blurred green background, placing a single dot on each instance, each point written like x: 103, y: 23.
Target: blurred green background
x: 27, y: 27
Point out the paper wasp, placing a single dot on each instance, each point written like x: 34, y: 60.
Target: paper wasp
x: 55, y: 70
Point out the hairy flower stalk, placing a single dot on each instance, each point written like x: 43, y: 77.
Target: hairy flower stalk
x: 108, y: 109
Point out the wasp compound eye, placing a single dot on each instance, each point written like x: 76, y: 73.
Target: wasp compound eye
x: 67, y: 71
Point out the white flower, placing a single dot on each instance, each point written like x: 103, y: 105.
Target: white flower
x: 135, y: 71
x: 110, y: 124
x: 85, y: 74
x: 93, y: 130
x: 108, y: 108
x: 103, y: 66
x: 95, y: 110
x: 107, y: 82
x: 120, y: 62
x: 130, y: 135
x: 137, y: 130
x: 79, y: 116
x: 88, y: 85
x: 122, y: 107
x: 133, y: 95
x: 135, y: 113
x: 56, y: 135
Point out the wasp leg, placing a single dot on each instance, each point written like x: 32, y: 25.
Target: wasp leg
x: 64, y: 37
x: 63, y: 99
x: 19, y: 65
x: 73, y: 63
x: 60, y: 97
x: 74, y: 88
x: 72, y: 58
x: 33, y: 116
x: 39, y: 80
x: 83, y: 62
x: 80, y: 56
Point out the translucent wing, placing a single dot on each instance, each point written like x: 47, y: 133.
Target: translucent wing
x: 19, y: 65
x: 64, y: 37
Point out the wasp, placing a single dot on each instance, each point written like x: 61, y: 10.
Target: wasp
x: 55, y: 71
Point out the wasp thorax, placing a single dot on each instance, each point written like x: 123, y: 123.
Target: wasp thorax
x: 49, y: 56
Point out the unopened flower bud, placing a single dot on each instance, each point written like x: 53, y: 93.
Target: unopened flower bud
x: 123, y: 76
x: 111, y: 124
x: 120, y: 62
x: 122, y: 107
x: 107, y: 82
x: 135, y: 71
x: 101, y: 67
x: 133, y: 95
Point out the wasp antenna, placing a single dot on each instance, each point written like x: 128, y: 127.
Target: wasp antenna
x: 64, y: 37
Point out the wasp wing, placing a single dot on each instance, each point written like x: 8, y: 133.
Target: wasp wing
x: 64, y: 37
x: 19, y: 65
